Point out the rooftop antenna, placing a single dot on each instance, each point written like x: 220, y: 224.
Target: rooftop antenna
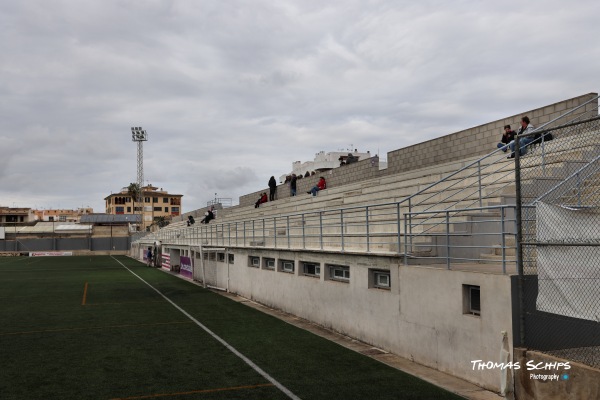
x: 140, y: 136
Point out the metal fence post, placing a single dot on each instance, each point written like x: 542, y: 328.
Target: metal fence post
x: 303, y: 233
x: 398, y: 226
x: 288, y: 230
x: 479, y: 182
x: 321, y: 228
x: 275, y: 232
x: 367, y: 228
x: 519, y: 239
x: 342, y: 227
x: 448, y: 239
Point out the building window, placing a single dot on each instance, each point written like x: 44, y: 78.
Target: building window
x: 286, y: 266
x: 339, y: 273
x: 254, y: 262
x: 165, y: 200
x: 221, y: 257
x: 471, y: 300
x: 269, y: 263
x: 380, y: 279
x: 120, y: 210
x: 146, y: 199
x: 167, y: 209
x: 129, y: 210
x: 231, y: 258
x: 158, y: 209
x: 155, y: 199
x: 311, y: 269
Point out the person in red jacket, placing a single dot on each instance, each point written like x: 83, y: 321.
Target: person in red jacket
x: 319, y: 186
x: 262, y: 199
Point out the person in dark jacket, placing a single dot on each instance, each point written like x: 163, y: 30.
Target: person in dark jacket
x: 293, y: 182
x: 208, y: 215
x: 272, y: 188
x: 507, y: 137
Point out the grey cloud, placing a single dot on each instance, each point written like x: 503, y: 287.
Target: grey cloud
x: 232, y: 92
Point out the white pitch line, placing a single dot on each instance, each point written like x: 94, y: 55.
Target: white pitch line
x: 218, y: 338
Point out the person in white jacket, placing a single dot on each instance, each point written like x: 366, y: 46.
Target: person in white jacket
x: 526, y: 127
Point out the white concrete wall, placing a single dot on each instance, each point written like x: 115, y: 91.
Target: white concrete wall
x: 420, y: 318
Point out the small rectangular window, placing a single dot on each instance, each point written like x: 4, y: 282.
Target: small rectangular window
x: 231, y: 258
x: 311, y: 269
x: 339, y: 273
x: 157, y: 208
x: 254, y: 262
x: 286, y: 266
x: 269, y: 263
x: 471, y: 300
x: 221, y: 257
x: 381, y: 279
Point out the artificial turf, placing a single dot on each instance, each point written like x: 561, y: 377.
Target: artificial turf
x: 90, y: 328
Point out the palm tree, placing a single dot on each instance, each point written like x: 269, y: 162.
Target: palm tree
x: 134, y: 190
x: 162, y: 222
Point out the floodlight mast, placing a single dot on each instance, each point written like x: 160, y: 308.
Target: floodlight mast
x: 140, y: 136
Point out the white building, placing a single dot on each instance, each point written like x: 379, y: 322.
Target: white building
x: 324, y: 161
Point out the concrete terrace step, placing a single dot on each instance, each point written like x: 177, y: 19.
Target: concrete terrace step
x: 375, y: 199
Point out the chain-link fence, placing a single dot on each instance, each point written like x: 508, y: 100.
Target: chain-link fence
x: 558, y: 195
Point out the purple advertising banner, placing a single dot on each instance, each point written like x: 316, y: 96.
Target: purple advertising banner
x: 186, y: 268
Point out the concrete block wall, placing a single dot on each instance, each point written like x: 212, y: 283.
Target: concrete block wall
x: 479, y: 140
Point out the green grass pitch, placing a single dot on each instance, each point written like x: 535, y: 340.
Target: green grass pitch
x: 89, y: 328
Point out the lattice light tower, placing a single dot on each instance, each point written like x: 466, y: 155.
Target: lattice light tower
x: 140, y: 136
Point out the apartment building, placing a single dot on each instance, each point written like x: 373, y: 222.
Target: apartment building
x: 158, y: 204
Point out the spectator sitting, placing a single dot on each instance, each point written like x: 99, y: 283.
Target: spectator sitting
x: 208, y: 216
x: 263, y: 199
x: 351, y: 159
x: 190, y: 221
x: 526, y: 127
x: 319, y: 186
x: 507, y: 137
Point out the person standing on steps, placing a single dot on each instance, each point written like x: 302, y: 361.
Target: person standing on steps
x: 272, y: 188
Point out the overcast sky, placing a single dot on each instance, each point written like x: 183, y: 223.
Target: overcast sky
x: 231, y: 92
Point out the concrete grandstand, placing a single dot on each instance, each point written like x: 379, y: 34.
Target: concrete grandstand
x: 429, y: 258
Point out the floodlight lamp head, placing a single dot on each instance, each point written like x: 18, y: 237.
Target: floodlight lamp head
x: 138, y: 134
